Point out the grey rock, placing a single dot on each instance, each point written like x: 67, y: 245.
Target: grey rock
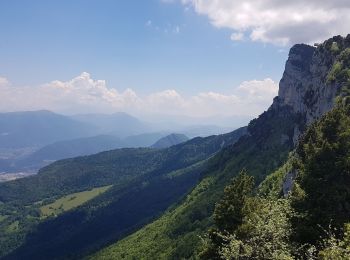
x: 304, y: 85
x: 288, y: 182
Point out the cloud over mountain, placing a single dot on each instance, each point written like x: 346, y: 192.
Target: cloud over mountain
x: 83, y: 94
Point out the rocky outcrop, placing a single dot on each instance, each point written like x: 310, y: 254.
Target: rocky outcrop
x: 309, y: 87
x: 288, y: 182
x: 305, y: 86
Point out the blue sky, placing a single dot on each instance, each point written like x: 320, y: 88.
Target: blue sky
x: 179, y: 57
x: 113, y: 40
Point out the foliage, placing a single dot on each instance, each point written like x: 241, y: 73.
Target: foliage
x: 340, y: 71
x: 335, y: 48
x: 264, y: 234
x: 335, y: 248
x: 249, y: 227
x: 158, y: 238
x: 271, y: 187
x: 228, y: 213
x: 323, y: 176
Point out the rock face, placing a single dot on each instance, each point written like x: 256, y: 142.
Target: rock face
x: 305, y: 86
x: 312, y: 80
x: 288, y: 182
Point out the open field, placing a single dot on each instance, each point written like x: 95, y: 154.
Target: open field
x: 71, y: 201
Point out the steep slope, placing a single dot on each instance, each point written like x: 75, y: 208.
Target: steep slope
x: 322, y: 173
x: 300, y: 211
x: 145, y: 182
x: 170, y: 140
x: 307, y: 91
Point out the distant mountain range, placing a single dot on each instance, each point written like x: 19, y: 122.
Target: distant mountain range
x: 117, y: 124
x: 31, y: 140
x: 81, y: 147
x: 39, y: 128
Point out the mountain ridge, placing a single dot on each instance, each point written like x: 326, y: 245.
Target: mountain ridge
x: 170, y: 140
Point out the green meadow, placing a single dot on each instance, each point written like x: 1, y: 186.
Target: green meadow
x: 71, y: 201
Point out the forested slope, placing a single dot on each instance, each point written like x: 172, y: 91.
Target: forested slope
x: 145, y: 182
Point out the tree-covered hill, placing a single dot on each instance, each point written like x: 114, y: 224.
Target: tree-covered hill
x: 170, y: 140
x: 145, y: 182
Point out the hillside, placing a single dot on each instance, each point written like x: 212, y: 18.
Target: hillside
x: 145, y: 182
x: 42, y: 157
x: 170, y: 140
x: 298, y: 212
x: 307, y: 91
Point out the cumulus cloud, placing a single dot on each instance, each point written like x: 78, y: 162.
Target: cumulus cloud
x: 277, y: 21
x: 83, y: 94
x: 3, y: 82
x: 237, y: 36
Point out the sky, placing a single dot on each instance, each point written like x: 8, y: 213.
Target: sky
x: 196, y: 58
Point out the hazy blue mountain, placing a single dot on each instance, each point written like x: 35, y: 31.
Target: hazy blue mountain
x: 119, y: 124
x: 207, y: 125
x: 77, y: 147
x: 170, y: 140
x: 38, y: 128
x: 31, y: 140
x: 204, y: 130
x: 143, y: 140
x: 68, y: 149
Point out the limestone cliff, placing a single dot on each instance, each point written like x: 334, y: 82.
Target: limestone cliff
x: 313, y: 78
x: 307, y: 85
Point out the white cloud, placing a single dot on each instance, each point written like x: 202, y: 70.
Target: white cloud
x: 83, y: 94
x: 3, y: 82
x: 237, y: 36
x: 277, y: 21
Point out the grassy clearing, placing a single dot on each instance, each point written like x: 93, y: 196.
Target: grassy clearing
x: 71, y: 201
x: 2, y: 217
x: 13, y: 227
